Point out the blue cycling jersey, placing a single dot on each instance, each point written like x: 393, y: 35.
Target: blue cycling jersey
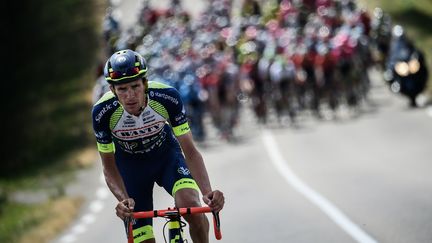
x: 117, y: 130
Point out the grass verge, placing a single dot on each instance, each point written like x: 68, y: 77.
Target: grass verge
x: 38, y: 223
x: 57, y: 140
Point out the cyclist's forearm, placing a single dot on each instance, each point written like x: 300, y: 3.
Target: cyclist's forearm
x: 195, y: 163
x: 116, y: 185
x: 113, y: 178
x: 199, y: 172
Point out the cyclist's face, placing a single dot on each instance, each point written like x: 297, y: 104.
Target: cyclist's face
x: 131, y: 95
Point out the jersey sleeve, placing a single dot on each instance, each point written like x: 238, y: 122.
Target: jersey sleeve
x: 177, y: 114
x: 170, y: 99
x: 101, y: 129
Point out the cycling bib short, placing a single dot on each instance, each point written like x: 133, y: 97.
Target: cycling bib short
x: 144, y: 146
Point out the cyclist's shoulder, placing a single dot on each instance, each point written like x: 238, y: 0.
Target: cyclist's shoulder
x: 163, y: 93
x: 156, y: 85
x: 107, y: 97
x: 107, y: 104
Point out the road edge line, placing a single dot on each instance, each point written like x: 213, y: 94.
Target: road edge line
x: 321, y: 202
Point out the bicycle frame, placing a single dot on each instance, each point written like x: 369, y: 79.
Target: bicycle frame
x: 174, y: 215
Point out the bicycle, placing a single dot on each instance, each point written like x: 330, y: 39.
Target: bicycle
x: 175, y: 223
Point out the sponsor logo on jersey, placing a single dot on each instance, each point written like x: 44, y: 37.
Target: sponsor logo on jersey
x: 183, y: 171
x: 106, y: 108
x: 147, y: 144
x: 179, y: 117
x: 164, y: 96
x: 129, y: 122
x: 185, y: 129
x: 100, y: 135
x: 139, y: 132
x: 149, y: 118
x: 102, y: 112
x: 128, y: 145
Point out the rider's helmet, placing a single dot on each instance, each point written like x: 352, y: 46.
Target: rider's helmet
x: 125, y: 66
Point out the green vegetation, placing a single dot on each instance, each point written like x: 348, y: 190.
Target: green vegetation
x: 40, y: 222
x: 416, y: 17
x: 10, y: 227
x: 50, y: 61
x: 58, y: 46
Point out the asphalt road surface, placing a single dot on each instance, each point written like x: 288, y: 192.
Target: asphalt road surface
x: 362, y: 178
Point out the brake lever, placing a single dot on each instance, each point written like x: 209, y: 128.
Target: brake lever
x: 129, y: 221
x: 217, y: 219
x: 216, y: 224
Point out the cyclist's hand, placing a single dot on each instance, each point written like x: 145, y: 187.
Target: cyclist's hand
x: 215, y: 200
x: 125, y: 208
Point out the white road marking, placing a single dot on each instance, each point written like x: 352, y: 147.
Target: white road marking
x: 68, y: 238
x: 115, y: 2
x: 102, y: 192
x: 79, y: 228
x: 94, y: 207
x: 429, y: 111
x: 321, y: 202
x: 88, y: 218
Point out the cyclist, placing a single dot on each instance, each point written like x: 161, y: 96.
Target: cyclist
x: 143, y: 137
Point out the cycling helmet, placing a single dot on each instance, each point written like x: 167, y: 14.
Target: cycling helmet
x: 125, y: 66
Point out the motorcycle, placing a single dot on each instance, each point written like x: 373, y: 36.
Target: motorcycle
x: 406, y: 71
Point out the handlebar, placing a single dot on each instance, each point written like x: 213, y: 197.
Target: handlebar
x: 180, y: 212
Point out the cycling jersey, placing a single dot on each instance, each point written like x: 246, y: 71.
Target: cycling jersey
x: 116, y: 129
x: 144, y: 146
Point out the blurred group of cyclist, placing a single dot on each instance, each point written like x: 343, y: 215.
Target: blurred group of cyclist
x: 280, y: 56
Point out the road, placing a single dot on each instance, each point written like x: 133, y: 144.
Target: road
x: 364, y: 178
